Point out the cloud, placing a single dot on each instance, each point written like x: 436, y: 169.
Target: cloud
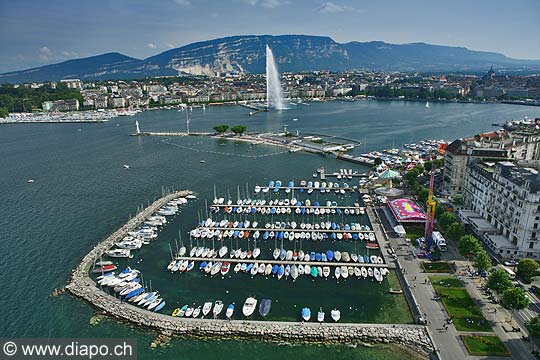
x: 45, y: 53
x: 333, y: 8
x: 268, y: 4
x: 170, y: 46
x: 151, y: 45
x: 185, y: 3
x: 69, y: 54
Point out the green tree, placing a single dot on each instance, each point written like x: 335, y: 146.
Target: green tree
x: 4, y: 112
x: 377, y: 161
x: 238, y: 129
x: 467, y: 244
x: 533, y: 326
x: 446, y: 219
x: 220, y: 129
x: 455, y: 230
x: 515, y: 298
x: 499, y: 280
x: 482, y: 260
x: 527, y: 268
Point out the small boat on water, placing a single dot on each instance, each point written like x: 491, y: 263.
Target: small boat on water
x: 320, y: 315
x: 189, y: 311
x: 206, y: 308
x: 182, y: 311
x: 104, y: 268
x: 230, y: 311
x: 218, y: 307
x: 306, y: 314
x: 264, y: 307
x: 225, y: 268
x: 197, y: 312
x: 337, y: 272
x: 335, y: 314
x: 371, y: 245
x: 395, y: 291
x: 249, y: 306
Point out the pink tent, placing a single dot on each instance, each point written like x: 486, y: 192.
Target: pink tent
x: 406, y: 210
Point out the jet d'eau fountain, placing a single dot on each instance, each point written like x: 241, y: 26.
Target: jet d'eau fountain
x: 274, y: 94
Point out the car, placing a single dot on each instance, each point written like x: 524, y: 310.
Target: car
x: 510, y: 263
x: 483, y: 273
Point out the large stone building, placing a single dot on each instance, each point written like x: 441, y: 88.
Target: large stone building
x: 495, y: 146
x: 502, y: 206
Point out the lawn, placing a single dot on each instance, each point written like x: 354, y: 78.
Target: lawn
x: 414, y: 232
x: 484, y: 345
x: 437, y: 267
x: 459, y: 305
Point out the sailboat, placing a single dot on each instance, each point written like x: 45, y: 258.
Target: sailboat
x: 427, y: 104
x: 306, y: 314
x: 320, y: 315
x: 336, y: 315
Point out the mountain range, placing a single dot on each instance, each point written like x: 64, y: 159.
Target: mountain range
x: 246, y: 54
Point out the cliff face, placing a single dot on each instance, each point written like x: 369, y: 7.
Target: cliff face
x: 246, y: 54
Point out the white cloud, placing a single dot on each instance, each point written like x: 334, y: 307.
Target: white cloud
x: 45, y: 53
x: 185, y: 3
x: 69, y: 54
x: 269, y: 4
x: 170, y: 46
x: 151, y: 45
x: 333, y: 8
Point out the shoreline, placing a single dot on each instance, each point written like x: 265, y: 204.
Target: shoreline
x: 81, y: 285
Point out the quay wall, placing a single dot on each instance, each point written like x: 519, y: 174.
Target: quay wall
x: 81, y: 285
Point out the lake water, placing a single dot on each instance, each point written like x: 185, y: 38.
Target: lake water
x: 82, y: 193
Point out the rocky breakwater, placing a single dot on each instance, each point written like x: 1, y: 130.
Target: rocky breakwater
x: 414, y: 337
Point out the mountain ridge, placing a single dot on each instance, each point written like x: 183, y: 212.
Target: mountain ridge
x: 246, y: 54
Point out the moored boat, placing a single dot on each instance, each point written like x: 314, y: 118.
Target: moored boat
x: 249, y: 306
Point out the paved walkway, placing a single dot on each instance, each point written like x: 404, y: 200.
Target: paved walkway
x: 447, y: 341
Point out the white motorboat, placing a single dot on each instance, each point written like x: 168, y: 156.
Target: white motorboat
x: 337, y: 272
x: 249, y: 306
x: 119, y: 253
x: 206, y: 308
x: 218, y: 307
x: 196, y: 312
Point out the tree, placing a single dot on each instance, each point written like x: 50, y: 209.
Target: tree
x: 238, y: 129
x: 4, y: 112
x: 422, y: 194
x: 515, y: 298
x: 455, y: 230
x: 482, y: 260
x: 377, y: 161
x: 527, y: 268
x: 533, y: 326
x: 220, y: 129
x: 446, y: 219
x: 467, y: 244
x: 499, y: 281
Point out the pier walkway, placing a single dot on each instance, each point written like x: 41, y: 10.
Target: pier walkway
x: 285, y: 262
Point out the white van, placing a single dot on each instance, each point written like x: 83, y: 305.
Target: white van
x: 439, y: 240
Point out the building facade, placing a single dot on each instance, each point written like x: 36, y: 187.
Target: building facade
x: 502, y: 202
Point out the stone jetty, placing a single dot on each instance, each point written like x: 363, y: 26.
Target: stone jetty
x: 81, y: 285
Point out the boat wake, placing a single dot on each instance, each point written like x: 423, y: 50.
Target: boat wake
x: 224, y: 153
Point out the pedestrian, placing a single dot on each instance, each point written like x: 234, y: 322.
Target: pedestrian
x: 414, y: 278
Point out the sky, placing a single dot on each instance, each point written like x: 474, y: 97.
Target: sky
x: 38, y: 32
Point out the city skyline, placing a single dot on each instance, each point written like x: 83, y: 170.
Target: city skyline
x: 31, y: 35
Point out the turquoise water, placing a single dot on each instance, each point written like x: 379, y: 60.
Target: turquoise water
x: 82, y: 193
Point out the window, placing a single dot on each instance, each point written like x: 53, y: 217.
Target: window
x: 531, y: 245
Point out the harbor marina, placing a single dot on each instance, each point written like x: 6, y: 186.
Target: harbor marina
x: 356, y: 284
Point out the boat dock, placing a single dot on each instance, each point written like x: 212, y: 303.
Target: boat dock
x: 289, y: 206
x: 323, y: 175
x: 297, y: 230
x: 285, y: 262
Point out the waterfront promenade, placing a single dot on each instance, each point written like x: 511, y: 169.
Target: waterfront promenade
x: 81, y: 285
